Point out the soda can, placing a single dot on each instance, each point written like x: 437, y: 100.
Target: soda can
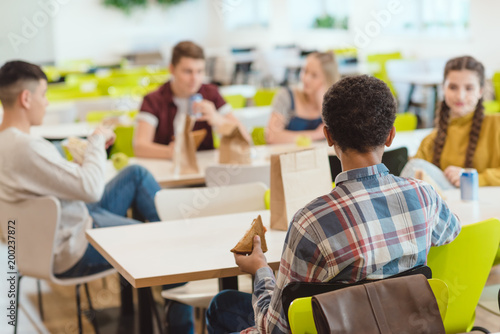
x: 469, y: 185
x: 194, y: 98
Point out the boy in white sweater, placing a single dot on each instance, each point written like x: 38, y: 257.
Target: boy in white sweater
x: 31, y: 166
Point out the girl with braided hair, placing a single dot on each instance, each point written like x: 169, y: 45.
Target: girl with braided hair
x: 464, y: 136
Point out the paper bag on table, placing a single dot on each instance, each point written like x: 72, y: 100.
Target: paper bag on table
x: 234, y: 148
x: 185, y: 146
x: 297, y: 178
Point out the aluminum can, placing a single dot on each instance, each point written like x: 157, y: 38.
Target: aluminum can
x: 469, y: 185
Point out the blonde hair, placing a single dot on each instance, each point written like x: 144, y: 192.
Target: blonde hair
x: 328, y: 66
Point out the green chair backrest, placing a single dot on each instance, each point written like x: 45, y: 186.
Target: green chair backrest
x: 381, y: 59
x: 496, y: 84
x: 464, y: 265
x: 491, y: 107
x: 236, y: 101
x: 124, y: 140
x: 63, y: 92
x: 440, y: 290
x: 99, y: 115
x: 264, y: 97
x: 259, y: 135
x: 405, y: 122
x: 301, y: 318
x: 267, y: 199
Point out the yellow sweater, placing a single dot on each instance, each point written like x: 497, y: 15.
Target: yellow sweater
x: 487, y: 156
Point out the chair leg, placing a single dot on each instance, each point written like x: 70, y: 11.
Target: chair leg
x: 203, y: 320
x: 78, y: 309
x: 166, y: 310
x: 155, y: 311
x: 17, y: 301
x: 40, y: 305
x: 93, y: 314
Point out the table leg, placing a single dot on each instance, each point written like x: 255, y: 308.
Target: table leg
x: 145, y: 315
x: 228, y: 283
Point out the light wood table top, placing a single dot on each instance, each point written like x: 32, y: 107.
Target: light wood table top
x: 152, y: 254
x: 470, y: 212
x: 163, y: 169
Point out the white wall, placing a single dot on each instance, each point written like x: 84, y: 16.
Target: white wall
x: 25, y: 32
x: 85, y: 29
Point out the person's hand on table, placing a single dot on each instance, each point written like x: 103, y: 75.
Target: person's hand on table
x: 453, y: 174
x: 208, y: 112
x: 253, y: 262
x: 108, y: 134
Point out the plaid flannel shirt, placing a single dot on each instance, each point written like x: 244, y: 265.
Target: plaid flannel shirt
x: 372, y: 225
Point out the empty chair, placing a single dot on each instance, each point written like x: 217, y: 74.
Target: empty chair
x: 223, y: 175
x: 185, y: 203
x: 36, y: 222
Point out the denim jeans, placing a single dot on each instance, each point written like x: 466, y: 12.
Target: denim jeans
x: 134, y: 187
x: 230, y: 311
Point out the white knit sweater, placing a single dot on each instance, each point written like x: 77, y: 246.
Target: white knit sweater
x: 32, y: 166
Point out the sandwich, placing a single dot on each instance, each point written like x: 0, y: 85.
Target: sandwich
x: 423, y: 176
x: 76, y: 148
x: 245, y: 245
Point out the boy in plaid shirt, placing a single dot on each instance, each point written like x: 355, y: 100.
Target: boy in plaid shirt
x: 371, y: 225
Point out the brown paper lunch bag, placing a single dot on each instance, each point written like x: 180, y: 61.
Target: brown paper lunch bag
x: 296, y: 179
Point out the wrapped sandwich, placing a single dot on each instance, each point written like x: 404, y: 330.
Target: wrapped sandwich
x: 76, y: 148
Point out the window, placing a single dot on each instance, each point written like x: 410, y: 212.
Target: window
x: 330, y: 14
x: 240, y: 14
x: 437, y: 18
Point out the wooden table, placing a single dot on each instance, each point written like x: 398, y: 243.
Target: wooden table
x: 163, y: 169
x: 470, y: 212
x: 153, y: 254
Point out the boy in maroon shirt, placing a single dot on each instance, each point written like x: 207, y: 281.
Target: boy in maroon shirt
x: 155, y: 129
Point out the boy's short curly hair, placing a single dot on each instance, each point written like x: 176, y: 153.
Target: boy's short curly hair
x: 359, y: 112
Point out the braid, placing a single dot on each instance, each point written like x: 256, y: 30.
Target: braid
x: 442, y: 125
x: 477, y: 121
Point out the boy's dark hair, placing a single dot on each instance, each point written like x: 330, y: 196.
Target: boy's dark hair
x: 359, y: 112
x: 186, y: 49
x: 14, y: 77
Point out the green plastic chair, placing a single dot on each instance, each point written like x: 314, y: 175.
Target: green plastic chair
x: 496, y: 84
x: 405, y: 122
x: 62, y: 92
x: 491, y: 107
x: 464, y: 265
x: 236, y: 101
x: 381, y: 59
x: 301, y: 318
x: 124, y: 133
x: 264, y: 97
x: 123, y: 141
x: 259, y: 135
x: 99, y: 115
x: 267, y: 199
